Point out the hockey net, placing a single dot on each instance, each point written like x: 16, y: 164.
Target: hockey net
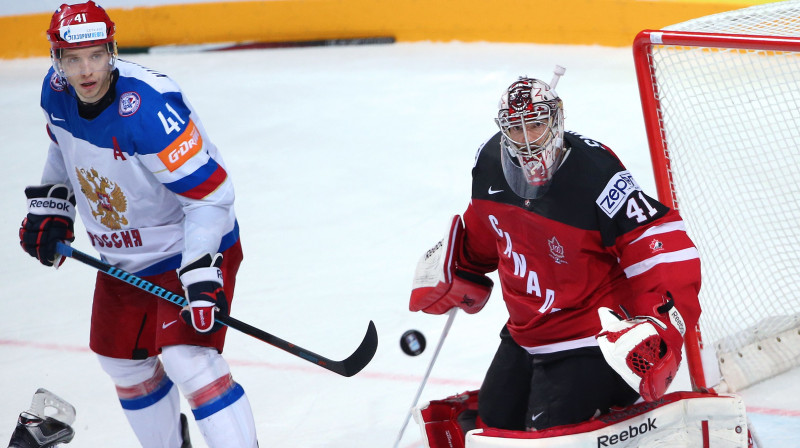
x: 721, y: 100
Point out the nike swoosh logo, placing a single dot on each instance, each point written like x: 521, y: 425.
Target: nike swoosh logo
x: 536, y: 416
x: 167, y: 324
x: 56, y: 118
x: 494, y: 191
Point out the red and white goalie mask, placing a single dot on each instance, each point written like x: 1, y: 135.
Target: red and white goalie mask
x: 531, y: 121
x: 79, y: 26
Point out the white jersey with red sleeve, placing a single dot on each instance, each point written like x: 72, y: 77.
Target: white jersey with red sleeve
x: 151, y: 187
x: 594, y: 239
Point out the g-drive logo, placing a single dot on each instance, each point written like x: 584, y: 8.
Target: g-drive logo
x: 83, y: 32
x: 616, y: 192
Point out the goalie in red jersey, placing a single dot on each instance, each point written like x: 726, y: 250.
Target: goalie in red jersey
x: 600, y: 279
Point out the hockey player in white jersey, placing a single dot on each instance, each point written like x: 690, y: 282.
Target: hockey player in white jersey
x: 129, y: 154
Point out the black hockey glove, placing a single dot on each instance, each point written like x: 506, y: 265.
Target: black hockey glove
x: 51, y: 216
x: 202, y: 281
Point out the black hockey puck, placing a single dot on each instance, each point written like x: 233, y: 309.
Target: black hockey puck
x: 412, y: 342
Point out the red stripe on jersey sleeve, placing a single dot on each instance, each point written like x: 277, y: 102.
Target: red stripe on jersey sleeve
x: 208, y: 186
x: 668, y: 236
x: 659, y: 259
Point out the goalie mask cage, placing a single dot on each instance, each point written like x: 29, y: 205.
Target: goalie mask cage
x: 721, y: 100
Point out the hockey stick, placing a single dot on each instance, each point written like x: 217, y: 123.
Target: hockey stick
x: 347, y: 367
x: 445, y: 330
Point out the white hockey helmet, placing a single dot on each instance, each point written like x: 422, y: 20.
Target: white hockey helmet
x: 531, y: 121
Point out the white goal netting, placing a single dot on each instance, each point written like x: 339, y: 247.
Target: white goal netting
x: 730, y: 126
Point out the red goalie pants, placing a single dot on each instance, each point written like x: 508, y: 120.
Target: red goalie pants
x: 130, y: 323
x: 523, y: 391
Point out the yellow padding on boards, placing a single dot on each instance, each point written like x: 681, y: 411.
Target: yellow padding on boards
x: 587, y: 22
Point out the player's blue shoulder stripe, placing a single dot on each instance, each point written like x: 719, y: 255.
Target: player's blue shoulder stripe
x: 45, y: 87
x: 198, y: 177
x: 54, y: 99
x: 153, y: 115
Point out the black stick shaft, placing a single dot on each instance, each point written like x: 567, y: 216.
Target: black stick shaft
x: 347, y: 367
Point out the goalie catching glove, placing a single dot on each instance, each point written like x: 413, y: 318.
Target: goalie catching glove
x: 202, y: 281
x: 51, y: 217
x: 644, y: 350
x: 439, y: 284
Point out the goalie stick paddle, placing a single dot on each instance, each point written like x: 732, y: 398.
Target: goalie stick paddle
x: 346, y: 367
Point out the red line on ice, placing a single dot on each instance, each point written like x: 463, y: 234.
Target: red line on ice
x: 771, y: 411
x: 471, y: 384
x: 260, y: 364
x: 43, y: 346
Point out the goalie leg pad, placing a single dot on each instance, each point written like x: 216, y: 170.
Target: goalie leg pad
x: 443, y: 423
x: 680, y: 419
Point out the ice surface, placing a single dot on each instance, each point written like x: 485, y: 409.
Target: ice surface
x: 348, y: 163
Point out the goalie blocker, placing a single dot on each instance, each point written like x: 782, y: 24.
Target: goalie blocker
x: 678, y: 419
x: 440, y: 284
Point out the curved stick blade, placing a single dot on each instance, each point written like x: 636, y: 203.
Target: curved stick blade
x: 363, y: 354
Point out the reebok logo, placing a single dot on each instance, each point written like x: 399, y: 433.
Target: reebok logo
x: 630, y: 433
x: 433, y: 249
x: 61, y: 205
x: 677, y: 321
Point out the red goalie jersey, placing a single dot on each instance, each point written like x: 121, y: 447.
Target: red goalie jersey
x: 593, y: 240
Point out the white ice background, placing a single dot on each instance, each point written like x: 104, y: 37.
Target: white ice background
x: 348, y: 163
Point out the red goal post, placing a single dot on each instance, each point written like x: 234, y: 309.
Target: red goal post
x: 721, y: 112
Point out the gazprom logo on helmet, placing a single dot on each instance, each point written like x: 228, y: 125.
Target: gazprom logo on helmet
x: 83, y: 32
